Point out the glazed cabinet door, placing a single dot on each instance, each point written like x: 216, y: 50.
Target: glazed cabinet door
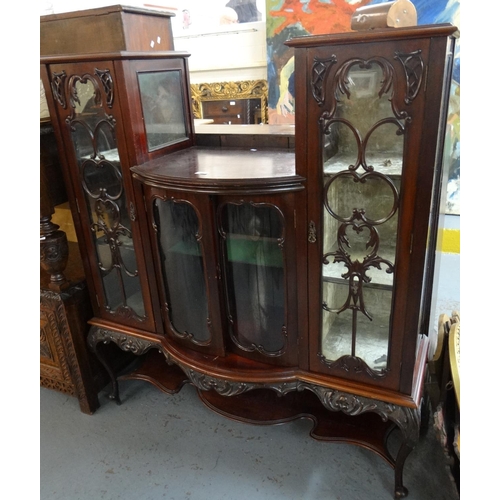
x: 257, y: 242
x: 90, y: 121
x: 158, y: 103
x: 371, y: 158
x: 181, y: 230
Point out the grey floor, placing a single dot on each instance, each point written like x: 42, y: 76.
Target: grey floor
x: 157, y: 446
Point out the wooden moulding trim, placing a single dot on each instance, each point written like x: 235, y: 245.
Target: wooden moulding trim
x: 228, y: 186
x: 262, y: 376
x: 106, y: 56
x: 376, y: 35
x: 100, y: 11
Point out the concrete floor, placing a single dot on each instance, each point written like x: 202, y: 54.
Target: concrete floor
x: 157, y: 446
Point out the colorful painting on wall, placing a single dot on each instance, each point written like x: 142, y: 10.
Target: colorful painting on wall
x: 290, y: 18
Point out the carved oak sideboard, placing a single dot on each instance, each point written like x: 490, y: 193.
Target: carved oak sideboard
x: 281, y: 284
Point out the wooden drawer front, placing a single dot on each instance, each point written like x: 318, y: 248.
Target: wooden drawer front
x: 225, y: 111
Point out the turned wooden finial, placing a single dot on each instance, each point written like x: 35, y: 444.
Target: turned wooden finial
x: 54, y: 248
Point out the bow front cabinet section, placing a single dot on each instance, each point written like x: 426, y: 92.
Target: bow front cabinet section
x: 282, y: 284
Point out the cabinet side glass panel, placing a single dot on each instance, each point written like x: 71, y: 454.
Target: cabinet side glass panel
x: 162, y: 107
x: 93, y: 136
x: 254, y: 271
x: 362, y: 164
x: 183, y: 269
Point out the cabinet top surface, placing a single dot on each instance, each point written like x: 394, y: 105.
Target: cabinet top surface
x: 200, y: 165
x: 422, y: 31
x: 105, y: 10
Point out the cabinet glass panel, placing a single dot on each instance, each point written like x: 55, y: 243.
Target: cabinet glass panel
x: 183, y: 269
x: 162, y: 98
x: 254, y: 271
x: 93, y: 136
x: 362, y: 163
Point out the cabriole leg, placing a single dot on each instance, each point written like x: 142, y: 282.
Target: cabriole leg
x: 95, y: 337
x: 408, y: 421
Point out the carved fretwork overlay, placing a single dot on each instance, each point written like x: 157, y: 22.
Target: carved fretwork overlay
x: 93, y: 135
x: 351, y: 364
x: 413, y: 65
x: 57, y: 86
x: 361, y: 114
x: 341, y: 87
x: 320, y: 70
x: 107, y: 83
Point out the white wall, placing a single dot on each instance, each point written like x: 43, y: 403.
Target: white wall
x: 227, y: 53
x: 219, y: 52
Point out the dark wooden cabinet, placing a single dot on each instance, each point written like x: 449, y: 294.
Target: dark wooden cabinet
x: 113, y: 105
x: 371, y: 111
x: 280, y: 284
x: 225, y: 250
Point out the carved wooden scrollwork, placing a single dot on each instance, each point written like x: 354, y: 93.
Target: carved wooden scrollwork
x: 223, y: 387
x: 108, y: 85
x: 319, y: 73
x: 413, y: 65
x: 124, y: 342
x: 352, y: 364
x: 341, y: 86
x: 57, y: 86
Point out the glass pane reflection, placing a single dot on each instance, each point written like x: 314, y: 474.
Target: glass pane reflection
x: 183, y: 268
x: 255, y: 279
x: 99, y: 165
x: 162, y: 105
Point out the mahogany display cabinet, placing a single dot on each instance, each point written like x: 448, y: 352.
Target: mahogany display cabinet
x: 118, y: 95
x: 282, y: 284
